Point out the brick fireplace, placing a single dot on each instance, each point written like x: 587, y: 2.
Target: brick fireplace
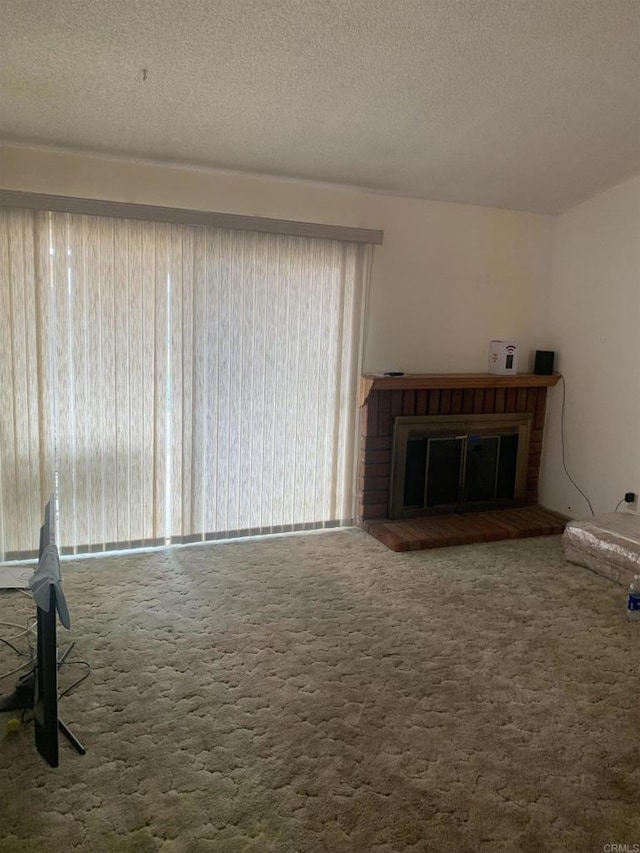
x: 383, y: 399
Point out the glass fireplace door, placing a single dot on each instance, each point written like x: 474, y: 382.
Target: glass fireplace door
x: 456, y: 463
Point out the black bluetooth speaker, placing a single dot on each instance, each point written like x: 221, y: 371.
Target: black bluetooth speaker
x: 543, y: 364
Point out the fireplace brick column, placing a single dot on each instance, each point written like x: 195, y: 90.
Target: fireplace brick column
x: 385, y: 398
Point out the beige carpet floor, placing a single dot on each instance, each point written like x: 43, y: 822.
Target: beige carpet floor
x: 320, y: 693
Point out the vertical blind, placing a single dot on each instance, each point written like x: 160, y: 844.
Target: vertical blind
x: 173, y: 383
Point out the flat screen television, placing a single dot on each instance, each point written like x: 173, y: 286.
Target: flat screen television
x: 39, y: 689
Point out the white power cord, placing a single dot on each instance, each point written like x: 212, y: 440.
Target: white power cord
x: 17, y: 669
x: 28, y: 631
x: 564, y: 464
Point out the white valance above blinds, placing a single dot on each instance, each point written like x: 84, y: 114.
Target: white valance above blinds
x: 176, y: 382
x: 185, y: 216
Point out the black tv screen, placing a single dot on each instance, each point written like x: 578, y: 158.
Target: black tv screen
x: 39, y: 689
x: 45, y: 699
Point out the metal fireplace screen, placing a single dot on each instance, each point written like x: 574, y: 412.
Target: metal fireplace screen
x: 454, y: 463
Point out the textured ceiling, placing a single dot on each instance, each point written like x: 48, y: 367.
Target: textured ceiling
x: 525, y: 104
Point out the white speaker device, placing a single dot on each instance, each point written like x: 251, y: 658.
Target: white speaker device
x: 503, y: 357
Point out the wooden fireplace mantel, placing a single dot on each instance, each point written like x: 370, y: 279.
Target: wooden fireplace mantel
x: 432, y: 381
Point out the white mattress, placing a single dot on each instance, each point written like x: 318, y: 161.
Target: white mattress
x: 607, y: 544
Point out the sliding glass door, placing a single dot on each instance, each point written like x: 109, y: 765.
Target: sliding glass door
x: 173, y: 382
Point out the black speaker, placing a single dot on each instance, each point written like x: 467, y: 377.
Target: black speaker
x: 543, y: 364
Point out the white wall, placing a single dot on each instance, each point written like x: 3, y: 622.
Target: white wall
x: 447, y: 279
x: 593, y: 322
